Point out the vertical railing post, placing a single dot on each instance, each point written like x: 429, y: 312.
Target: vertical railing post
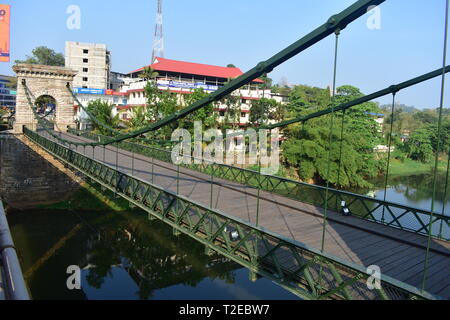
x: 132, y: 163
x: 436, y: 159
x: 212, y: 166
x: 153, y: 168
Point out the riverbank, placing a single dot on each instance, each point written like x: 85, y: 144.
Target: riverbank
x: 411, y: 167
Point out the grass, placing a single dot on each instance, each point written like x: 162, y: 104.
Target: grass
x: 410, y: 167
x: 90, y: 197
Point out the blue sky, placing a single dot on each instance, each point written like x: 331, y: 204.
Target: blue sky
x: 245, y: 32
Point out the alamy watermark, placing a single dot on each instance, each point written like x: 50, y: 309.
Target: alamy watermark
x: 74, y: 280
x: 374, y: 281
x: 213, y: 146
x: 374, y: 19
x: 74, y: 20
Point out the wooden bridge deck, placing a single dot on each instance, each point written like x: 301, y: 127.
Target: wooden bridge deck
x: 399, y: 254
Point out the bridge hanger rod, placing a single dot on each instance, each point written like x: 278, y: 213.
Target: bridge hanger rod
x: 338, y: 21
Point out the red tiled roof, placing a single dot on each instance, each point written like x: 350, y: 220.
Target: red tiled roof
x: 162, y: 64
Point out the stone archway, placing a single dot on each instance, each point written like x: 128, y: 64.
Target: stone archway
x: 44, y: 81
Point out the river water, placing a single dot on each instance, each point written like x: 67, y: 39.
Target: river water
x: 415, y: 191
x: 125, y: 256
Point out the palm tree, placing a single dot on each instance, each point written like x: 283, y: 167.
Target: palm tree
x: 148, y: 73
x: 138, y: 118
x: 103, y: 112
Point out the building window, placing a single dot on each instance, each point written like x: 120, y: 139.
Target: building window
x: 85, y: 69
x: 85, y: 60
x: 84, y: 87
x: 222, y: 113
x: 85, y: 51
x: 85, y: 79
x: 243, y: 114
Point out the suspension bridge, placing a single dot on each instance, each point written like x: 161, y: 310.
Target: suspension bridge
x: 288, y: 231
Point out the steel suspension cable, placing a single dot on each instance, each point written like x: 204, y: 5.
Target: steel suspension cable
x: 325, y: 213
x: 439, y: 132
x: 330, y: 138
x: 388, y: 163
x: 340, y: 148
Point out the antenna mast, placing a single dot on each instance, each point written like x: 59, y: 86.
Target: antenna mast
x: 158, y: 39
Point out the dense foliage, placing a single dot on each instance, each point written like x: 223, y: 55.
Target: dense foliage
x: 415, y: 133
x: 45, y: 56
x: 315, y: 149
x: 103, y: 112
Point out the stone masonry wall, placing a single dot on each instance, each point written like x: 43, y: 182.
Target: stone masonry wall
x: 44, y: 80
x: 30, y: 176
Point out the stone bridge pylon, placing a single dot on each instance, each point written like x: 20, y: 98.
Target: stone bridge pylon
x: 44, y: 81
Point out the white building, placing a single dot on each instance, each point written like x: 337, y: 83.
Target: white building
x: 183, y: 78
x: 126, y: 91
x: 91, y: 61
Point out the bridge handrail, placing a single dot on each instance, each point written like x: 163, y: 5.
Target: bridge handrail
x: 14, y: 282
x: 422, y: 229
x: 390, y: 288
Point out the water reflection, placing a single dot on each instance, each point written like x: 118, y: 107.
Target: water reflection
x: 125, y: 256
x: 416, y: 191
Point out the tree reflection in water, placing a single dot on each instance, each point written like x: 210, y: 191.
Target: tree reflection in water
x: 151, y: 255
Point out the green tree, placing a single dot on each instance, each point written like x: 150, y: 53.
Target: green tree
x: 138, y: 118
x: 283, y: 90
x: 303, y: 98
x: 148, y: 74
x: 103, y: 112
x: 419, y: 146
x: 264, y: 110
x: 268, y: 82
x: 207, y: 115
x: 160, y: 104
x: 427, y: 116
x: 45, y: 56
x: 232, y: 112
x: 351, y: 162
x: 443, y: 138
x: 44, y: 102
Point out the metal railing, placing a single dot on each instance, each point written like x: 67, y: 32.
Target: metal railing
x: 13, y: 282
x: 303, y: 270
x: 377, y: 210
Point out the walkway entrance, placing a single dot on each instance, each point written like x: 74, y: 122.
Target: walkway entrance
x: 44, y: 81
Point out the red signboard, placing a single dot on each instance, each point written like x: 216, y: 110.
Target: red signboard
x: 4, y: 32
x: 110, y: 92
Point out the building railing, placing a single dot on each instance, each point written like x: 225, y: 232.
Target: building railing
x: 246, y: 90
x: 12, y: 280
